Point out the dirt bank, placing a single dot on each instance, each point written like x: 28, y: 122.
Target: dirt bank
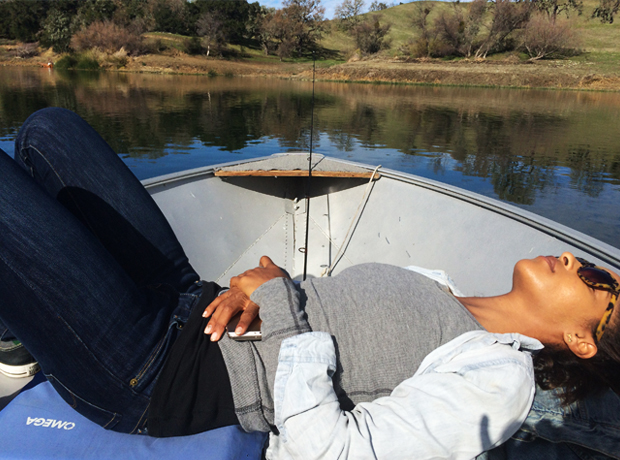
x: 543, y: 74
x: 548, y: 74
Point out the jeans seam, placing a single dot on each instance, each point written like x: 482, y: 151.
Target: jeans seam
x: 112, y: 375
x: 114, y: 414
x: 152, y: 356
x: 141, y: 419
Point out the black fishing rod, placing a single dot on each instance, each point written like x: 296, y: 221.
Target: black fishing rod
x: 309, y: 170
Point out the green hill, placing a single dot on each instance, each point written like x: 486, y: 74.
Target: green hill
x: 600, y: 43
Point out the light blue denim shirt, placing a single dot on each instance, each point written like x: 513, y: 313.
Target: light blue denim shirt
x: 468, y: 396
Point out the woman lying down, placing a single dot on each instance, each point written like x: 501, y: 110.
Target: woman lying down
x: 377, y: 361
x: 467, y: 396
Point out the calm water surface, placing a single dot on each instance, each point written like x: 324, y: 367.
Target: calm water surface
x: 554, y: 153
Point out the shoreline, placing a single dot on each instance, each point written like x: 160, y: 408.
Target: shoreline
x: 556, y: 75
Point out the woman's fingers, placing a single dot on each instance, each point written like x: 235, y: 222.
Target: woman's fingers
x: 248, y: 315
x: 237, y: 299
x: 266, y: 262
x: 213, y: 305
x: 222, y: 309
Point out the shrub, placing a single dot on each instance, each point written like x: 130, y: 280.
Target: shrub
x: 86, y: 63
x: 194, y: 46
x: 26, y: 50
x: 71, y: 61
x: 544, y: 38
x: 118, y: 59
x: 370, y: 36
x: 66, y: 62
x: 107, y: 36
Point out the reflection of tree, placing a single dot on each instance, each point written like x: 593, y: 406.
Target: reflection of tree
x: 519, y: 150
x: 343, y: 141
x: 586, y: 173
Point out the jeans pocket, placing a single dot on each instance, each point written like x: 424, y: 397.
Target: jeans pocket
x: 101, y: 417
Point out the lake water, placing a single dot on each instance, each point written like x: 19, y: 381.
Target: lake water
x: 555, y: 153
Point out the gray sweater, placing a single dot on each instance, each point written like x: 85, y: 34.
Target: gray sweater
x: 384, y: 321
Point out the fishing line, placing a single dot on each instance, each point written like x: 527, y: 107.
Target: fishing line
x: 309, y: 170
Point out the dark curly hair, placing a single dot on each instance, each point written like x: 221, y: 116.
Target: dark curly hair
x: 558, y: 367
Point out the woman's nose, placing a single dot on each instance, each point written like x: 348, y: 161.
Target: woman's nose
x: 568, y: 260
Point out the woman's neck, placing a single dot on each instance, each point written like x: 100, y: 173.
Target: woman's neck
x: 505, y: 314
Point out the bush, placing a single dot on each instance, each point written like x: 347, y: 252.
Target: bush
x: 370, y: 36
x: 26, y: 50
x: 87, y: 63
x: 66, y: 62
x: 194, y: 46
x: 107, y: 36
x: 77, y: 62
x: 543, y: 38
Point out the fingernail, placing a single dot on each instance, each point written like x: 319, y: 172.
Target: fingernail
x: 208, y: 329
x: 239, y: 330
x: 214, y: 337
x: 204, y: 314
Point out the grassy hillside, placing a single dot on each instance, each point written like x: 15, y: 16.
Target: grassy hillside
x: 600, y: 42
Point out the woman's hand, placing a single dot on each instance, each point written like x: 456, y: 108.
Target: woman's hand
x: 237, y: 299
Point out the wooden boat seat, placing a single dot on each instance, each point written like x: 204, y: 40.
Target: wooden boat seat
x: 295, y: 165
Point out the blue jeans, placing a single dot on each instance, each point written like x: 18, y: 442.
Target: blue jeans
x: 585, y: 430
x: 92, y: 279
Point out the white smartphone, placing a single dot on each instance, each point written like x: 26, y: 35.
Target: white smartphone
x: 253, y: 332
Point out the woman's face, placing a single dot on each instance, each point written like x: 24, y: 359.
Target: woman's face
x: 558, y: 293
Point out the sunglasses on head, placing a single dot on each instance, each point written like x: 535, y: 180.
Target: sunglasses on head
x: 599, y: 278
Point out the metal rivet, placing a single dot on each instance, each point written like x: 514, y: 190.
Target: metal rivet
x: 133, y: 382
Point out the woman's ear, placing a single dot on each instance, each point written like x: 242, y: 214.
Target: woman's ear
x: 581, y: 343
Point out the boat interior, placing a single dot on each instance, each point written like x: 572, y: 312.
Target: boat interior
x: 228, y: 216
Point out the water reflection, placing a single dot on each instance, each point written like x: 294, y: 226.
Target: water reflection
x: 552, y: 152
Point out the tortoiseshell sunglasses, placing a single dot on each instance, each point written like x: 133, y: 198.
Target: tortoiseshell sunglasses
x: 599, y: 278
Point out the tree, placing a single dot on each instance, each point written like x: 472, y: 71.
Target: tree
x: 170, y: 16
x: 370, y: 35
x: 57, y: 30
x: 94, y: 10
x: 21, y: 19
x: 211, y: 28
x: 305, y: 18
x: 457, y: 31
x: 507, y: 17
x: 420, y: 46
x: 238, y: 18
x: 606, y: 10
x: 348, y: 13
x: 378, y: 6
x: 278, y: 32
x: 554, y: 7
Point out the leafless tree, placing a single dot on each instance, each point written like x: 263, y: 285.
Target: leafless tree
x: 507, y: 17
x: 348, y: 13
x: 457, y: 30
x: 378, y: 6
x: 419, y: 20
x: 210, y: 27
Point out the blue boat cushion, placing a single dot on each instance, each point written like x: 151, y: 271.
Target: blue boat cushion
x: 38, y: 424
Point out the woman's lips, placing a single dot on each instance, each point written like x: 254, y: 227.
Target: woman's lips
x: 551, y: 261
